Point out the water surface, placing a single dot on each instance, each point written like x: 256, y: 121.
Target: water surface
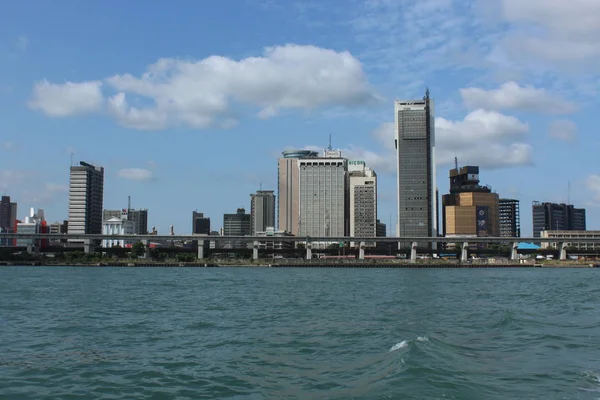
x: 251, y: 333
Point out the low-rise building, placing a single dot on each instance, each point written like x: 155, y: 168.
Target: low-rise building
x: 568, y: 234
x: 116, y: 226
x: 275, y: 244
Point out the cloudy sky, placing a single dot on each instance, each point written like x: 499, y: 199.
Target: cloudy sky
x: 188, y: 104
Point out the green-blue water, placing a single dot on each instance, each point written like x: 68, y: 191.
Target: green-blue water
x: 245, y: 333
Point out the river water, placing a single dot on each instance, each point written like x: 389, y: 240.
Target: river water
x: 252, y: 333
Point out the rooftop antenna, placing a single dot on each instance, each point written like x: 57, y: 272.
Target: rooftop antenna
x: 71, y: 159
x: 426, y: 94
x: 261, y: 186
x: 456, y: 163
x: 128, y: 203
x: 330, y: 148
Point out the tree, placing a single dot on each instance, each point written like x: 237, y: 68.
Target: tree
x: 138, y: 249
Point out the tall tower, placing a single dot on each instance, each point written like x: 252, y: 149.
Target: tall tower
x: 288, y: 187
x: 262, y: 210
x: 415, y: 148
x: 362, y: 182
x: 323, y: 196
x: 86, y: 194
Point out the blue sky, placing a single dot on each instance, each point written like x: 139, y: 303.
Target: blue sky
x: 188, y: 104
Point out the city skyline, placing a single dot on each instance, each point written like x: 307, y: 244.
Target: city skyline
x: 526, y: 121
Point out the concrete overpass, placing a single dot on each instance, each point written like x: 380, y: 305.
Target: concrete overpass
x: 88, y: 241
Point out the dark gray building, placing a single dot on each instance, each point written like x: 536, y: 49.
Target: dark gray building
x: 8, y: 214
x: 510, y: 222
x: 557, y: 217
x: 262, y: 211
x: 415, y: 146
x: 86, y: 194
x: 381, y: 229
x: 200, y: 224
x: 238, y: 224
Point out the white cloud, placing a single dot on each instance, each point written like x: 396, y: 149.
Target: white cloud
x: 54, y: 187
x: 555, y: 30
x: 563, y: 130
x: 136, y: 174
x: 63, y: 100
x: 485, y: 138
x: 131, y: 117
x: 200, y: 94
x: 593, y: 185
x: 511, y: 96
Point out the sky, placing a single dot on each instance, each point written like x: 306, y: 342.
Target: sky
x: 188, y: 104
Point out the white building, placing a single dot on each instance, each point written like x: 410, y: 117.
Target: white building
x: 580, y: 236
x: 322, y: 195
x: 116, y: 226
x: 363, y: 200
x: 86, y: 194
x: 33, y: 223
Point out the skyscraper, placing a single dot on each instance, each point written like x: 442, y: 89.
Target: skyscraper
x: 200, y: 224
x: 86, y: 194
x: 557, y: 217
x: 8, y: 214
x: 510, y: 223
x: 322, y: 195
x: 262, y: 211
x: 237, y: 224
x: 415, y: 147
x: 363, y: 200
x: 288, y: 187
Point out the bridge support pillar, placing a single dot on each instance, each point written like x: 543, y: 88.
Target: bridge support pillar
x: 87, y: 246
x: 146, y: 249
x: 361, y: 251
x: 200, y: 249
x: 30, y: 248
x: 563, y: 251
x: 255, y: 251
x: 514, y: 253
x: 413, y: 251
x: 308, y: 250
x: 464, y: 252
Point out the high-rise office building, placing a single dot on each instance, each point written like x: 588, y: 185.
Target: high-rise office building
x: 557, y: 217
x: 238, y: 224
x: 510, y: 223
x: 86, y: 194
x: 470, y: 210
x: 8, y: 214
x: 200, y: 224
x: 362, y: 182
x: 262, y: 211
x: 323, y: 196
x: 288, y: 188
x: 415, y: 147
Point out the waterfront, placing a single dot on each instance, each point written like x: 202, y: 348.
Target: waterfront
x: 299, y: 333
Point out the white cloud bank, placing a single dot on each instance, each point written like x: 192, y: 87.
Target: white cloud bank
x: 200, y: 94
x: 511, y: 96
x: 67, y: 99
x: 485, y: 138
x: 136, y: 174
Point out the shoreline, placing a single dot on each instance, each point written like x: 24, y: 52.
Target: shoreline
x: 307, y: 264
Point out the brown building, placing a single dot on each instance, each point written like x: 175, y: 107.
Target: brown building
x: 470, y: 209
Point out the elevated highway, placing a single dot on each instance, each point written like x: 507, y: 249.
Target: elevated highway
x: 89, y: 241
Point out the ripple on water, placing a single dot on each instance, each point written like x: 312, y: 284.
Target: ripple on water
x: 298, y: 333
